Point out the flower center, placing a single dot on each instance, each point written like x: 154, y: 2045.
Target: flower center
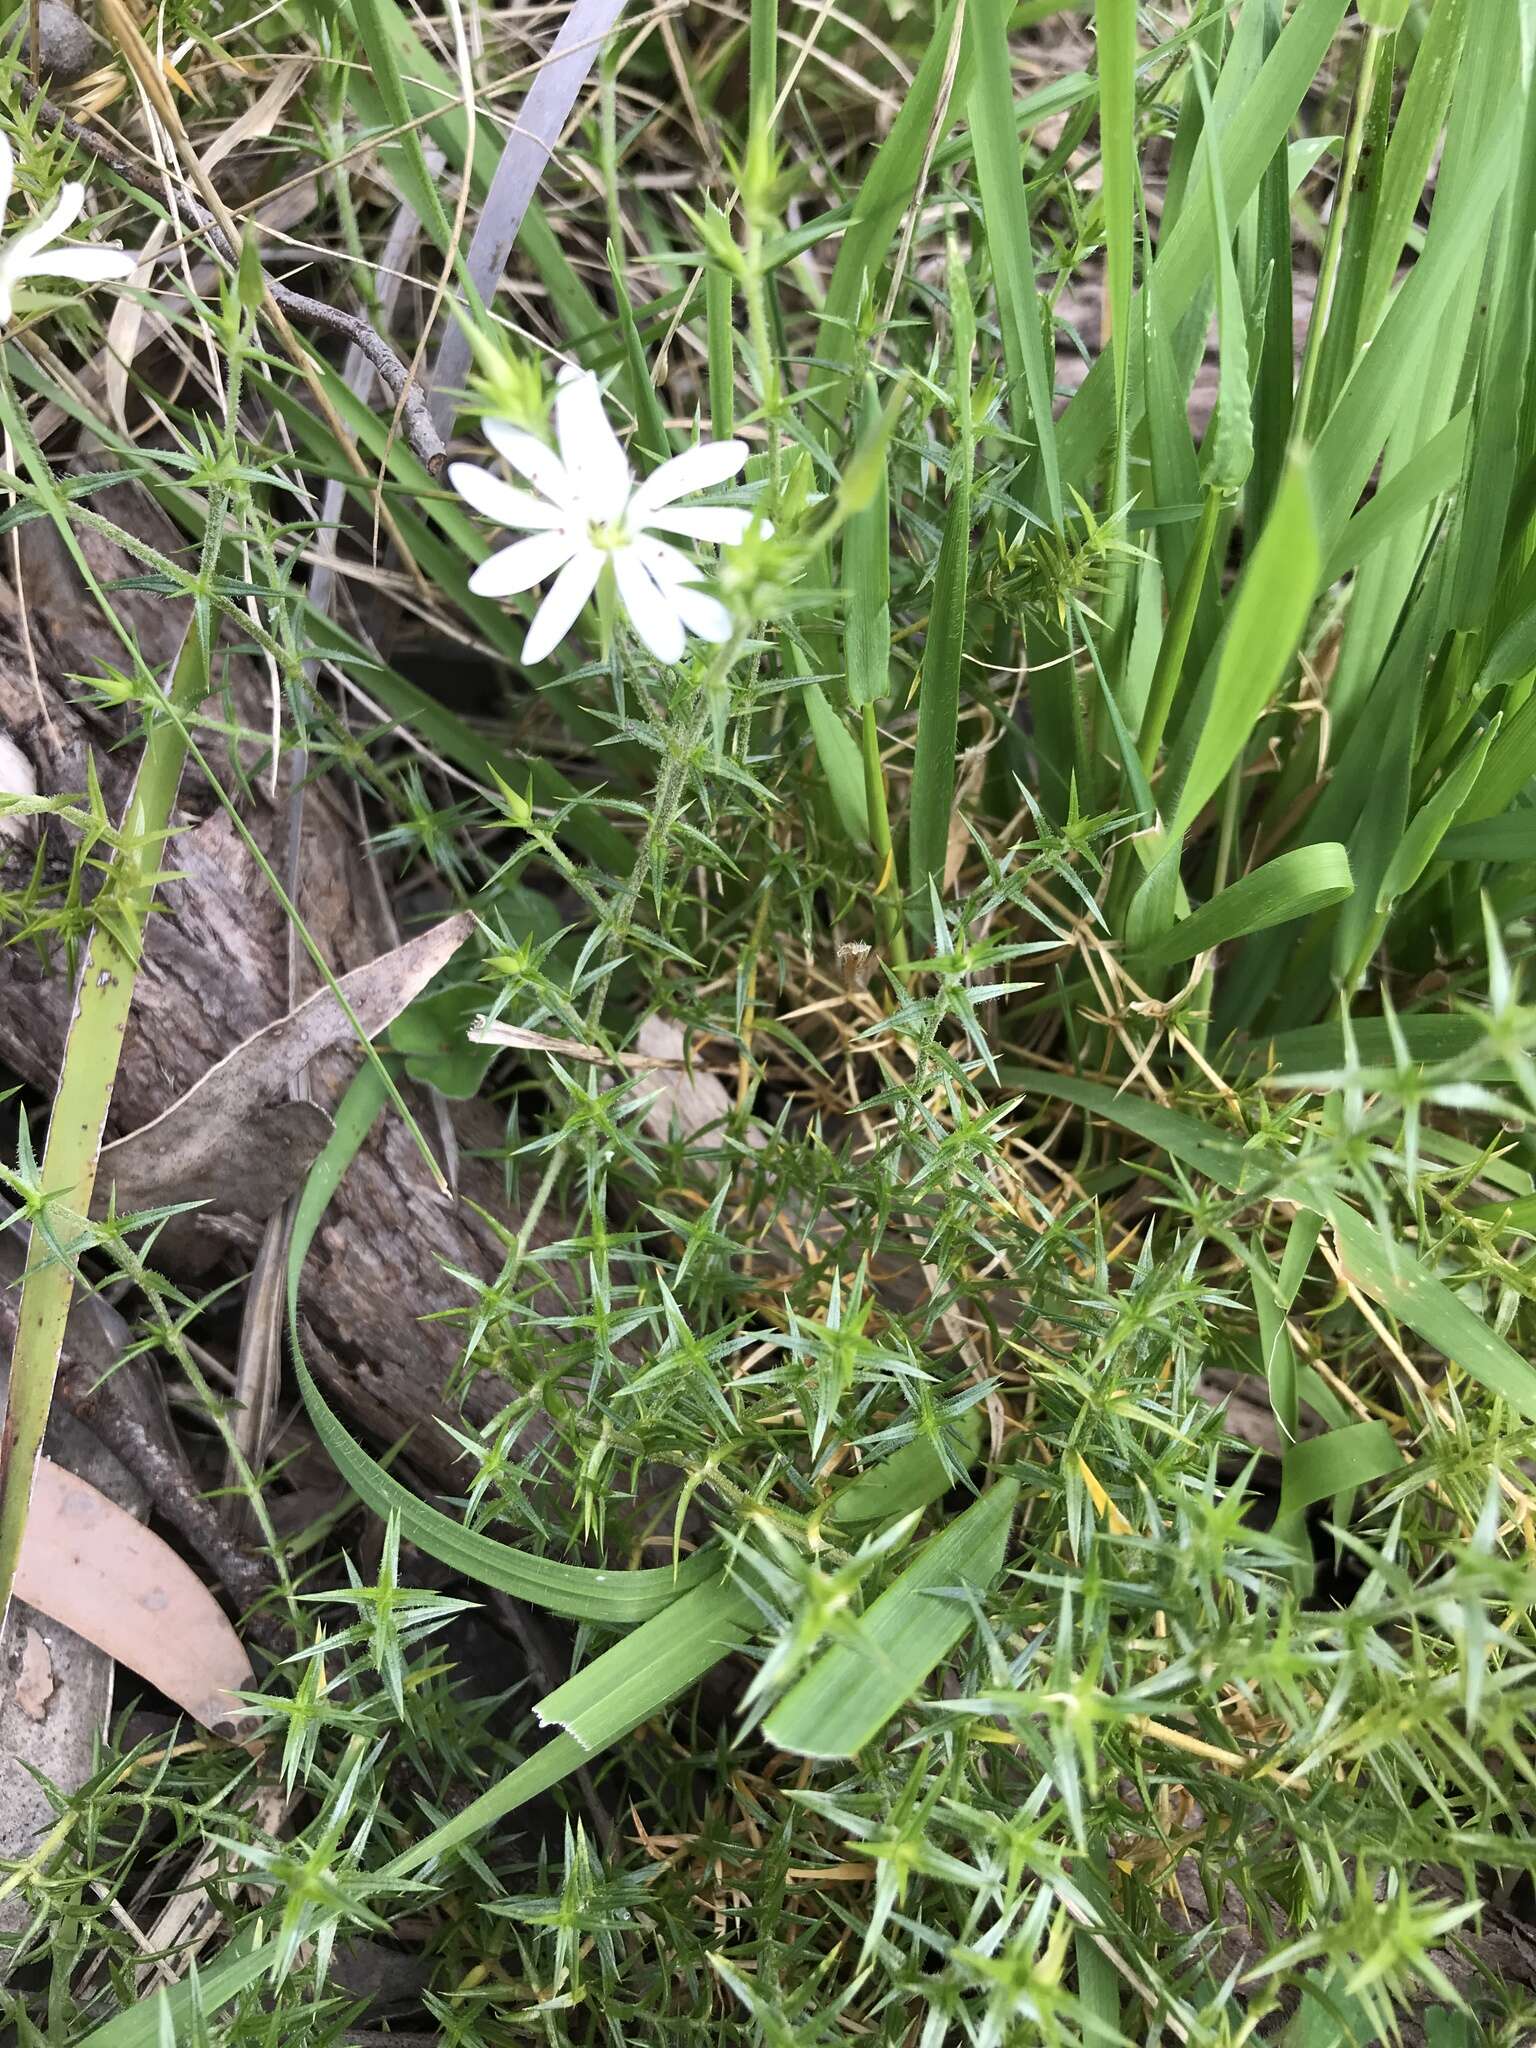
x: 607, y: 534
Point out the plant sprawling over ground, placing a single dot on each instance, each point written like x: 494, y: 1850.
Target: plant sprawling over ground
x: 1001, y: 904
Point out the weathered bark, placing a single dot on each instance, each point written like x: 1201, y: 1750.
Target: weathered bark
x: 215, y: 971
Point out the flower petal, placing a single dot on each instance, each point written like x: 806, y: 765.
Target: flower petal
x: 502, y: 501
x: 48, y: 227
x: 531, y: 459
x: 652, y: 611
x: 723, y: 524
x: 562, y: 608
x: 669, y: 565
x: 696, y: 469
x: 85, y: 264
x: 700, y: 613
x: 522, y: 565
x: 589, y: 448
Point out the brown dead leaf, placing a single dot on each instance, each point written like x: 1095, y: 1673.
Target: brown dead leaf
x: 683, y: 1095
x: 232, y: 1141
x: 489, y: 1031
x: 34, y: 1677
x: 60, y: 1748
x: 88, y: 1564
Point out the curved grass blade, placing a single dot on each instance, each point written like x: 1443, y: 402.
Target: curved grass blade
x: 1404, y: 1285
x: 1295, y: 885
x: 578, y: 1591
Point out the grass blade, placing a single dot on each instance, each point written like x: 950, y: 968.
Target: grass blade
x: 1269, y: 616
x: 1247, y: 145
x: 1031, y: 371
x: 1115, y: 27
x: 851, y: 1691
x: 1407, y: 1289
x: 575, y: 1590
x: 1296, y: 884
x: 613, y: 1694
x: 876, y: 213
x: 867, y: 571
x: 938, y: 706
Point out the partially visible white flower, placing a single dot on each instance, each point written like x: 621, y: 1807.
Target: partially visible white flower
x: 589, y: 513
x: 31, y: 254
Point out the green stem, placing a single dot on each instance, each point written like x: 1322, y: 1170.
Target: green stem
x: 84, y: 1094
x: 1367, y: 952
x: 1333, y: 248
x: 1205, y: 988
x: 893, y: 940
x: 1175, y: 645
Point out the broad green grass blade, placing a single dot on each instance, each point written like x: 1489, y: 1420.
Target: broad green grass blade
x: 853, y: 1689
x: 1351, y: 442
x: 577, y: 1591
x: 1423, y: 479
x: 613, y: 1694
x: 910, y: 1478
x: 1337, y: 1462
x: 1183, y: 1137
x: 198, y: 1995
x: 1005, y: 214
x: 1278, y: 1353
x: 1296, y: 884
x: 1378, y: 835
x: 1170, y: 444
x: 1513, y: 654
x: 1269, y: 616
x: 636, y: 1678
x: 1431, y: 823
x: 1498, y: 841
x: 1228, y: 452
x: 1320, y: 1048
x: 1403, y: 1285
x: 842, y: 763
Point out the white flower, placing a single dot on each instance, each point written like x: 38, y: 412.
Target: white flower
x: 590, y: 513
x: 29, y: 254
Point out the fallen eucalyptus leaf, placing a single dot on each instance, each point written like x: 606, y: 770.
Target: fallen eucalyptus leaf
x: 232, y: 1141
x: 685, y: 1098
x: 87, y: 1563
x: 487, y: 1031
x: 49, y: 1732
